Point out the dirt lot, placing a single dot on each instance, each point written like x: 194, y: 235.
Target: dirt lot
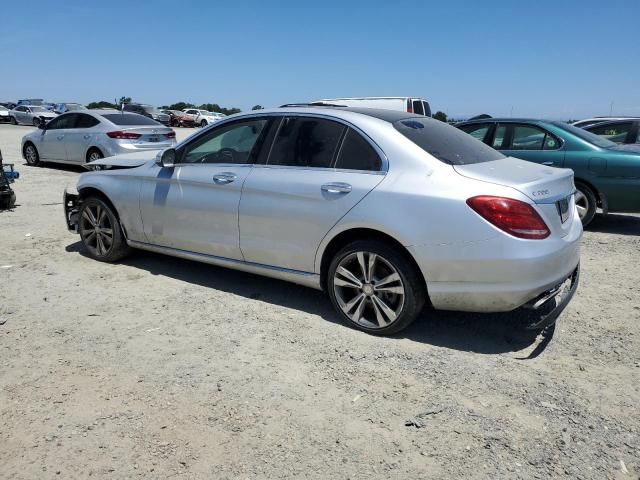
x: 159, y: 367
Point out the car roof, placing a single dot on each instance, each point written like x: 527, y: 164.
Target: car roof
x: 611, y: 122
x: 506, y: 120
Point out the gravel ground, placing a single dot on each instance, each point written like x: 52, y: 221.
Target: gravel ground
x: 159, y: 367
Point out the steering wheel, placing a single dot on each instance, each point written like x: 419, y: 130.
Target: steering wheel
x: 226, y: 155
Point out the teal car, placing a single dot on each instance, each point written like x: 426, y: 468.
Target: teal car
x: 607, y: 175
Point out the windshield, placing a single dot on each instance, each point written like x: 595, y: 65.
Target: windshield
x: 74, y: 106
x: 446, y: 143
x: 3, y: 108
x: 129, y: 119
x: 592, y: 138
x: 151, y: 109
x: 205, y: 112
x: 38, y: 109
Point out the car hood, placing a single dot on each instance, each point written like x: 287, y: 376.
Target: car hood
x: 540, y: 183
x: 127, y: 160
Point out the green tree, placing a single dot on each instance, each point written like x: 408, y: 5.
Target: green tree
x: 214, y: 107
x: 101, y: 104
x: 180, y: 106
x: 257, y: 107
x: 124, y: 100
x: 440, y: 116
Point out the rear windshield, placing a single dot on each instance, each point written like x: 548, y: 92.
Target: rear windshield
x: 129, y: 119
x: 446, y: 143
x: 596, y: 140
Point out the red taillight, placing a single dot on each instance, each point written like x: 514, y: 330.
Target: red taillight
x: 171, y: 134
x: 123, y: 135
x: 513, y: 216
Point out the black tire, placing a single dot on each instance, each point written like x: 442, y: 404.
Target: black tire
x: 587, y: 200
x: 388, y: 258
x: 94, y: 154
x: 31, y: 155
x: 203, y: 123
x: 36, y: 122
x: 95, y: 219
x: 13, y: 120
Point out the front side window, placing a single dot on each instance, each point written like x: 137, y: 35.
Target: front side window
x: 357, y: 154
x: 63, y: 121
x: 477, y: 130
x: 306, y: 142
x: 446, y: 143
x: 417, y: 107
x: 232, y: 143
x: 615, y: 132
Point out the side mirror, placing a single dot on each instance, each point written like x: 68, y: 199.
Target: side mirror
x: 42, y: 125
x: 167, y: 158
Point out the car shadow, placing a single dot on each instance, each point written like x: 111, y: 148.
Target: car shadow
x: 615, y: 223
x: 471, y: 332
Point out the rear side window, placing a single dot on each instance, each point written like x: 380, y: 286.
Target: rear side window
x: 86, y: 121
x: 306, y: 142
x: 357, y: 154
x: 448, y: 144
x: 130, y: 119
x: 477, y: 130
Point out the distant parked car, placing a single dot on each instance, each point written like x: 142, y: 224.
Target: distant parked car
x: 68, y: 107
x: 180, y: 119
x: 148, y: 111
x: 618, y: 131
x: 30, y: 115
x: 415, y: 105
x: 85, y: 136
x: 203, y: 118
x: 606, y: 174
x: 587, y: 122
x: 9, y: 105
x: 386, y: 211
x: 4, y: 114
x: 30, y: 101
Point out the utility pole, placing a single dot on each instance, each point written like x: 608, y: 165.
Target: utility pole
x: 611, y: 108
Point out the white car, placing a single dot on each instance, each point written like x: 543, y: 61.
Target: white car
x: 203, y: 118
x: 30, y: 115
x: 4, y: 114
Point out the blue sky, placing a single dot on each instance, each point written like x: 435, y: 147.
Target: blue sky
x: 552, y: 59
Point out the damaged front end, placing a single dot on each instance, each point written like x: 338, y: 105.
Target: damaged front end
x: 71, y: 205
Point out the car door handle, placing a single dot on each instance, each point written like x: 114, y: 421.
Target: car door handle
x: 548, y: 164
x: 86, y: 137
x: 224, y: 178
x: 337, y: 187
x: 60, y: 137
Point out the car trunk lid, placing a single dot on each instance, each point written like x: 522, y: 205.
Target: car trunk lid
x: 550, y: 189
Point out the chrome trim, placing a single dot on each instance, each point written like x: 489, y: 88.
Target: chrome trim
x: 374, y: 145
x: 555, y: 198
x: 306, y: 279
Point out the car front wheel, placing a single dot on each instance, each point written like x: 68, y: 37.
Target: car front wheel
x: 31, y: 155
x: 100, y: 231
x: 203, y: 123
x: 375, y: 288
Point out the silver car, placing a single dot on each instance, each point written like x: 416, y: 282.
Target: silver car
x: 386, y: 211
x: 87, y: 135
x: 30, y: 115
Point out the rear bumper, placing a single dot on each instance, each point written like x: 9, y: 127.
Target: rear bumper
x: 71, y: 209
x: 500, y: 274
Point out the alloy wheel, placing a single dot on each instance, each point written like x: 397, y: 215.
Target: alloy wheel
x: 96, y: 229
x: 94, y: 155
x: 369, y: 289
x: 30, y: 155
x: 582, y: 204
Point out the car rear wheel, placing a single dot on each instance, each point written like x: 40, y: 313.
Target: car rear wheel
x: 203, y: 123
x: 375, y: 288
x: 586, y: 203
x: 100, y: 231
x: 31, y: 155
x: 94, y: 154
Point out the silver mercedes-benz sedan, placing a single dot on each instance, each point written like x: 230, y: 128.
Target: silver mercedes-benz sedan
x: 86, y: 135
x: 386, y: 211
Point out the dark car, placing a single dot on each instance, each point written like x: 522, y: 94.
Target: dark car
x: 618, y: 131
x: 606, y: 174
x: 148, y: 111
